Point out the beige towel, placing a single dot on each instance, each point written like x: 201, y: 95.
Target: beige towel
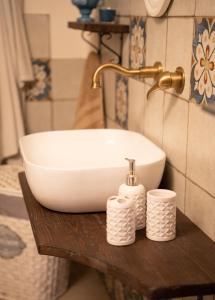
x: 89, y: 111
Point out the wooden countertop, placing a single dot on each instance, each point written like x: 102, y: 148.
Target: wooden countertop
x: 182, y: 267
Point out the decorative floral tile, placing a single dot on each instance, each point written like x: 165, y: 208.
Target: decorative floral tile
x: 137, y: 42
x: 40, y: 88
x: 121, y: 103
x: 203, y: 61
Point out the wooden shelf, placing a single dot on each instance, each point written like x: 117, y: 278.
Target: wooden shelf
x: 100, y: 27
x: 182, y: 267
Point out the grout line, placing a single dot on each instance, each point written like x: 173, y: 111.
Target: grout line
x: 177, y: 96
x: 194, y: 16
x: 191, y: 180
x: 172, y: 166
x: 204, y: 17
x: 144, y: 110
x: 182, y: 16
x: 145, y: 43
x: 168, y: 92
x: 164, y: 95
x: 199, y: 186
x: 167, y: 30
x: 50, y: 39
x: 163, y: 117
x: 186, y: 158
x: 64, y: 100
x: 193, y: 35
x: 170, y: 17
x: 163, y: 17
x: 52, y: 114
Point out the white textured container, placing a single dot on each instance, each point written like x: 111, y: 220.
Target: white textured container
x: 136, y: 192
x: 120, y: 221
x: 161, y: 215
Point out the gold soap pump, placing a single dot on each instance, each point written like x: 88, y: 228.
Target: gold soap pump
x: 135, y: 191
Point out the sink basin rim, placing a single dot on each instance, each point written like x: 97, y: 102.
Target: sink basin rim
x: 123, y: 164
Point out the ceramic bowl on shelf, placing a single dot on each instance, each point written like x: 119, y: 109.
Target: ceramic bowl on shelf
x: 85, y: 7
x: 107, y: 14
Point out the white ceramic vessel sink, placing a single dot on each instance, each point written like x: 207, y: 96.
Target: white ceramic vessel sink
x: 77, y: 170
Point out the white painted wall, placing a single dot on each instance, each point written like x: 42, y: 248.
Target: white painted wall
x: 65, y: 42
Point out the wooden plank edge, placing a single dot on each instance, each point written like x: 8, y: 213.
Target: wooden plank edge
x: 128, y: 279
x: 185, y: 291
x: 99, y: 27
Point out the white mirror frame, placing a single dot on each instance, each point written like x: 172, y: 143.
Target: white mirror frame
x: 156, y: 8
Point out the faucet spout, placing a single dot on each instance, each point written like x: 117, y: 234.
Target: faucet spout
x: 163, y: 79
x: 146, y: 72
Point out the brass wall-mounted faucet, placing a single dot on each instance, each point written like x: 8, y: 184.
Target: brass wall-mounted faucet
x: 163, y: 79
x: 167, y: 80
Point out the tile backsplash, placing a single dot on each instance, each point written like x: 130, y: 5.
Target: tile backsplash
x: 51, y: 97
x: 137, y: 42
x: 40, y: 88
x: 203, y: 64
x: 184, y: 36
x: 121, y: 108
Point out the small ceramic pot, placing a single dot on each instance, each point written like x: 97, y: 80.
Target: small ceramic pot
x: 120, y: 221
x: 107, y: 14
x: 85, y: 7
x: 161, y: 215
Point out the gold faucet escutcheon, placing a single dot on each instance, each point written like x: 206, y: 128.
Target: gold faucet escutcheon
x: 163, y: 79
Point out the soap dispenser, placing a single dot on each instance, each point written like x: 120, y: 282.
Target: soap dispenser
x: 135, y: 191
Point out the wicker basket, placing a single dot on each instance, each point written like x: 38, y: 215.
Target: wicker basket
x: 24, y: 274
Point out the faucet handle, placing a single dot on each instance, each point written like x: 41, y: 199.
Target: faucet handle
x: 153, y: 89
x: 178, y: 80
x: 167, y: 80
x: 164, y: 81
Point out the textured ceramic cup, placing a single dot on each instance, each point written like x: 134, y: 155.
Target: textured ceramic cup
x: 161, y: 215
x: 120, y: 223
x: 107, y: 14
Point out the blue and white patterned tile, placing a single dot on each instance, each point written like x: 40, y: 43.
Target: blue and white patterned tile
x: 121, y: 103
x: 137, y: 42
x: 203, y: 62
x: 40, y: 88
